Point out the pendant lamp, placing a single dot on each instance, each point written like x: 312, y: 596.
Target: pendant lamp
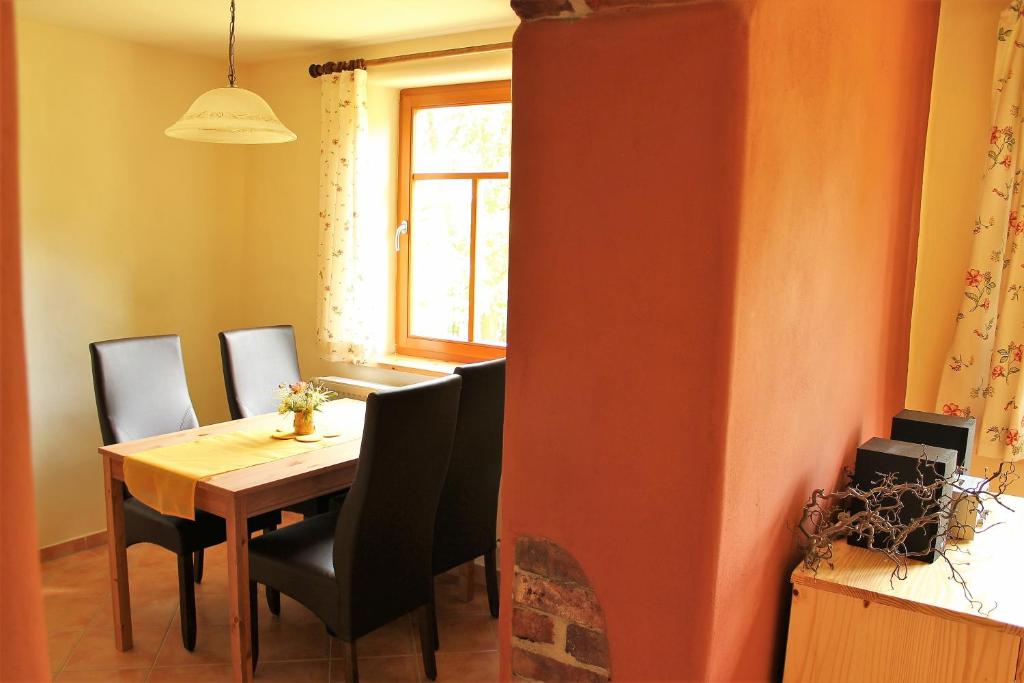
x: 230, y: 115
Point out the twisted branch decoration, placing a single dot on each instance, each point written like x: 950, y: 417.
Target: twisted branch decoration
x: 874, y: 514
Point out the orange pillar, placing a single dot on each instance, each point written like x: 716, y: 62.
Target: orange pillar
x: 712, y: 250
x: 22, y: 633
x: 627, y: 152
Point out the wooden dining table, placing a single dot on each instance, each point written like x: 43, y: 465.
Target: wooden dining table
x: 235, y: 496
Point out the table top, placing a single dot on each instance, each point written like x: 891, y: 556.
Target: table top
x: 346, y: 413
x: 992, y: 565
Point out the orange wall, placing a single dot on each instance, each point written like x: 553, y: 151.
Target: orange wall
x: 627, y: 149
x: 713, y: 230
x: 835, y: 146
x: 23, y: 643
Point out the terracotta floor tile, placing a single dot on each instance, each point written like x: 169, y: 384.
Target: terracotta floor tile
x: 79, y: 620
x: 291, y: 611
x: 59, y: 646
x: 152, y: 584
x: 469, y: 634
x: 69, y: 612
x: 87, y: 579
x: 215, y: 576
x: 450, y: 599
x: 96, y: 650
x: 52, y: 567
x: 211, y: 673
x: 290, y: 517
x: 213, y: 646
x: 147, y: 554
x: 287, y: 642
x: 384, y: 670
x: 211, y: 607
x: 266, y: 672
x: 104, y: 676
x: 293, y: 672
x: 463, y: 667
x: 85, y: 558
x: 395, y: 638
x: 145, y: 614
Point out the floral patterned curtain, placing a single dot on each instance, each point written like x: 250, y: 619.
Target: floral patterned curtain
x: 982, y: 376
x: 351, y: 254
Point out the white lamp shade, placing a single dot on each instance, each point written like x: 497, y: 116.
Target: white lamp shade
x: 230, y: 115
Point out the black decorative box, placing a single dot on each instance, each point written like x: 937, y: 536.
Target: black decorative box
x: 878, y: 457
x: 942, y: 431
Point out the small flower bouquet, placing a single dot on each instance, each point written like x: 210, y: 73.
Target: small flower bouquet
x: 303, y: 399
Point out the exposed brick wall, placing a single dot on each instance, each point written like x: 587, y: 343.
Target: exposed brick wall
x: 558, y: 629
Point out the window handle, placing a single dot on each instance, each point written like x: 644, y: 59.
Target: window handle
x: 403, y: 227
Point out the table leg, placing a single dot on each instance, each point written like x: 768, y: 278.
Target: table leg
x: 118, y: 555
x: 238, y: 592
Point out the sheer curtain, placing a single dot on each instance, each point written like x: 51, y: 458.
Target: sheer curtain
x: 351, y: 303
x: 983, y: 372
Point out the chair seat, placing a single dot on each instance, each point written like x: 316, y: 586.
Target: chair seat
x: 143, y: 524
x: 298, y: 560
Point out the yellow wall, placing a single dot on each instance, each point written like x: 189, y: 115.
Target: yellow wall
x: 282, y: 183
x: 125, y: 232
x: 957, y: 138
x: 955, y: 151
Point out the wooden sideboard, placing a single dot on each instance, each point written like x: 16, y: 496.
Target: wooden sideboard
x: 850, y: 623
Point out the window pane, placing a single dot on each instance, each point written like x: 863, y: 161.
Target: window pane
x: 439, y: 231
x: 465, y: 139
x: 491, y: 295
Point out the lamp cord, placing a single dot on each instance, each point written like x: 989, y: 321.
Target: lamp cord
x: 231, y: 48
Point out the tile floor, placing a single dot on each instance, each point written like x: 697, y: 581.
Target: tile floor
x: 293, y: 647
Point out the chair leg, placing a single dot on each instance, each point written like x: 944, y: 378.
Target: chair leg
x: 426, y: 629
x: 274, y: 601
x: 491, y: 573
x: 273, y: 595
x: 432, y: 614
x: 187, y: 600
x: 197, y: 560
x: 349, y: 665
x: 254, y: 617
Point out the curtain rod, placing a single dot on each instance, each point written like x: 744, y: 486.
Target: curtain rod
x: 317, y: 70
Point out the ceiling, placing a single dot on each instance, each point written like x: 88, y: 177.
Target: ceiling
x: 269, y: 28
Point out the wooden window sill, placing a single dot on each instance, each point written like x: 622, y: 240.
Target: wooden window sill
x: 417, y: 365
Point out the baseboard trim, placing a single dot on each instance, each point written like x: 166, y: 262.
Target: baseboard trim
x: 75, y: 545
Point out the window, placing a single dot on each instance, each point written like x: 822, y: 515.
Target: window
x: 454, y: 149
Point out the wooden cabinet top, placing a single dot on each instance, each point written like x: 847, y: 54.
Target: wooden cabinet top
x: 992, y: 564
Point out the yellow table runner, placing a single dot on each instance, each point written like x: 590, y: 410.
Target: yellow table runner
x: 165, y: 478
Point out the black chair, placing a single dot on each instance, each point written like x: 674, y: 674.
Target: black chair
x: 369, y: 563
x: 141, y: 391
x: 256, y: 362
x: 468, y: 512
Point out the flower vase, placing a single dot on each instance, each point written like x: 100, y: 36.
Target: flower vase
x: 304, y: 423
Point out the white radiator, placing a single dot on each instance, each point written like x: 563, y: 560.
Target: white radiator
x: 358, y: 389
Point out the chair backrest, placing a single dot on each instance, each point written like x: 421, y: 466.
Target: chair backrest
x: 384, y: 536
x: 141, y: 388
x: 256, y: 361
x: 468, y: 511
